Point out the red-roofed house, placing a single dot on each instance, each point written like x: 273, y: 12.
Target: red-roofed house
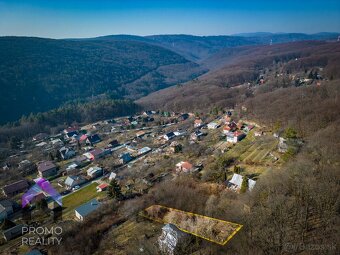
x: 102, y: 187
x: 184, y: 166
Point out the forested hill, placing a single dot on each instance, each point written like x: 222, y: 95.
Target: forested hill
x: 40, y: 74
x: 199, y: 48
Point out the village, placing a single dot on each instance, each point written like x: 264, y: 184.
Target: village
x: 135, y: 152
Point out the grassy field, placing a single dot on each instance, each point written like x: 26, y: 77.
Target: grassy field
x: 253, y: 153
x: 79, y: 197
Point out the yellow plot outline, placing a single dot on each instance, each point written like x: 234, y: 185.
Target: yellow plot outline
x: 199, y: 215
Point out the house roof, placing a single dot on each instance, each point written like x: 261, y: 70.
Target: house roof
x: 170, y: 134
x: 237, y: 180
x: 45, y: 166
x: 93, y: 170
x: 112, y: 175
x: 13, y: 232
x: 6, y: 203
x: 70, y: 180
x: 171, y: 228
x: 94, y: 138
x: 185, y: 165
x: 13, y: 187
x: 96, y: 152
x: 103, y: 186
x: 87, y: 208
x: 144, y: 150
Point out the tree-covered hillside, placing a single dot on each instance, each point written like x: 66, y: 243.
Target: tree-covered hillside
x: 40, y: 74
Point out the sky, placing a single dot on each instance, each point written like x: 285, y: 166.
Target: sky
x: 88, y: 18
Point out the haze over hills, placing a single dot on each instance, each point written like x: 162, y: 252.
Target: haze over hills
x: 41, y: 74
x: 244, y: 65
x: 198, y: 48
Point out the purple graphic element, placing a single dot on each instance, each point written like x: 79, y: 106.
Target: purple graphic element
x: 42, y: 186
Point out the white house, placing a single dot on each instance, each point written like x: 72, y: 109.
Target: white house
x: 213, y: 125
x: 86, y: 209
x: 236, y: 182
x: 235, y: 137
x: 171, y: 239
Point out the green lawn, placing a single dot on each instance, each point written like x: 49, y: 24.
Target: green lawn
x: 80, y: 197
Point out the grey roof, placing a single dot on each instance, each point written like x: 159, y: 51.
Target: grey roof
x: 34, y: 252
x: 171, y: 228
x: 88, y: 207
x: 74, y: 180
x: 13, y: 232
x: 16, y: 186
x: 45, y: 166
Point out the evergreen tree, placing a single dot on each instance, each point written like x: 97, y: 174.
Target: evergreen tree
x: 114, y: 190
x: 244, y: 185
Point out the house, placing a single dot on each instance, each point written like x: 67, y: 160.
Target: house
x: 169, y: 136
x: 258, y: 133
x: 93, y: 139
x: 125, y: 158
x: 15, y: 188
x: 27, y: 167
x: 46, y: 169
x: 282, y: 146
x: 175, y: 147
x: 95, y: 154
x: 236, y: 182
x: 83, y: 211
x: 183, y: 116
x: 34, y: 252
x: 113, y: 144
x: 184, y: 166
x: 144, y: 150
x: 196, y: 135
x: 39, y: 137
x: 198, y: 123
x: 171, y: 239
x: 95, y: 171
x: 148, y: 113
x: 71, y: 132
x: 66, y: 153
x: 227, y: 119
x: 57, y: 142
x: 112, y: 176
x: 83, y: 138
x: 140, y: 133
x: 72, y: 181
x: 33, y: 198
x: 230, y: 127
x: 102, y: 187
x: 213, y: 125
x: 13, y: 232
x: 235, y: 137
x: 70, y: 129
x: 239, y: 125
x: 247, y: 128
x: 6, y: 209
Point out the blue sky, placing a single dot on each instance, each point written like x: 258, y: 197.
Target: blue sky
x: 88, y: 18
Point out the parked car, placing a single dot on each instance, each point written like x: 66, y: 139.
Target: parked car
x: 76, y: 187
